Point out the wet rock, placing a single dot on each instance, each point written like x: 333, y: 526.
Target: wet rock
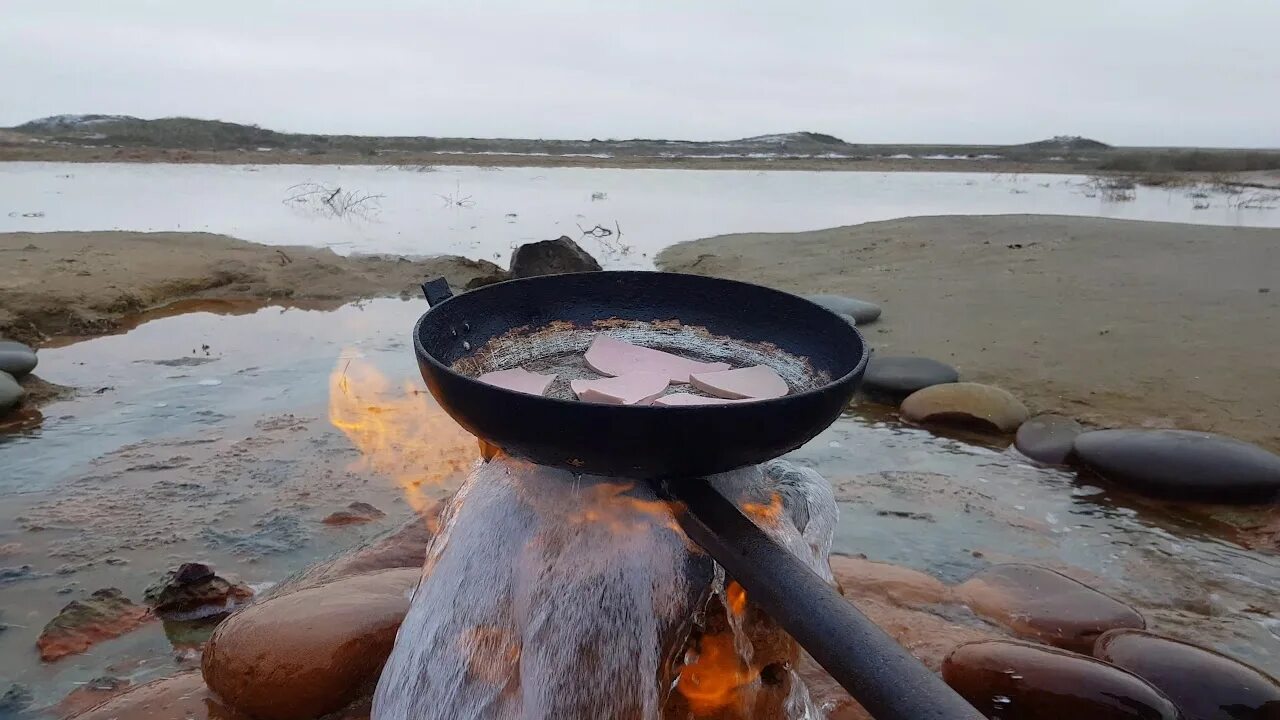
x: 1204, y: 684
x: 893, y: 378
x: 356, y: 512
x: 1183, y: 465
x: 16, y: 359
x: 895, y: 599
x: 181, y: 697
x: 903, y: 586
x: 861, y: 311
x: 105, y: 614
x: 14, y: 700
x: 1016, y: 681
x: 16, y: 573
x: 551, y: 257
x: 309, y: 652
x: 1047, y: 438
x: 10, y: 391
x: 91, y: 694
x: 405, y: 546
x: 1038, y: 603
x: 194, y: 589
x: 965, y: 404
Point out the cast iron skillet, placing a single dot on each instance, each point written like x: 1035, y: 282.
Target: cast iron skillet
x: 517, y: 322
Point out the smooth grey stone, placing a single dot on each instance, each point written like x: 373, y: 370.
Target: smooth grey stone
x: 1182, y: 464
x: 861, y: 311
x: 895, y: 377
x: 1047, y: 438
x: 16, y: 359
x: 10, y: 391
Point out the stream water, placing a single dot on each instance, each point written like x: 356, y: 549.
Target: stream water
x: 205, y: 435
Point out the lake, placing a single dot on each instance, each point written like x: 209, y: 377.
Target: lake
x: 486, y: 212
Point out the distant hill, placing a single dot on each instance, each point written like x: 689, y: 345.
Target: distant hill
x: 125, y: 133
x: 186, y: 133
x: 1066, y: 144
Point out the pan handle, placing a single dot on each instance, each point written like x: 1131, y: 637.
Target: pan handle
x: 436, y: 291
x: 875, y: 669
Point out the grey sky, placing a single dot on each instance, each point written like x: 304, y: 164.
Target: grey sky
x: 1134, y: 72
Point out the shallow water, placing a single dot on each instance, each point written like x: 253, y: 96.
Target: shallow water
x: 233, y: 461
x: 485, y: 212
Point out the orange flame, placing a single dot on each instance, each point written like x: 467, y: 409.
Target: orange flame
x: 401, y: 433
x: 609, y: 505
x: 711, y: 679
x: 737, y: 598
x: 768, y: 514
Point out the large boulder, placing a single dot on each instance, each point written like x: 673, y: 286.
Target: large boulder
x: 1204, y: 684
x: 310, y: 652
x: 969, y: 404
x: 893, y: 378
x: 861, y: 311
x: 1020, y: 681
x: 1047, y: 438
x: 16, y: 359
x: 181, y: 697
x: 194, y: 589
x: 10, y: 392
x: 551, y: 257
x: 81, y: 624
x: 1041, y: 604
x: 1182, y: 465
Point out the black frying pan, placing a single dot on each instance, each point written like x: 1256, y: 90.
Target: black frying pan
x: 520, y: 322
x: 547, y: 323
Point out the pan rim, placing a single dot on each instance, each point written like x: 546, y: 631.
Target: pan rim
x: 858, y: 368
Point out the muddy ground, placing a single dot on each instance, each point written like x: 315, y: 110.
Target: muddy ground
x: 87, y: 283
x: 1114, y: 322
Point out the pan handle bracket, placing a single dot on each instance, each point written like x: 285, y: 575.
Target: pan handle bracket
x: 436, y: 291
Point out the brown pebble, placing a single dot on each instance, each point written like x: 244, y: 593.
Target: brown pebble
x: 1204, y: 684
x: 1021, y: 681
x: 1040, y: 604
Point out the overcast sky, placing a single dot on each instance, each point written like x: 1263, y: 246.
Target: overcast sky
x: 1132, y: 72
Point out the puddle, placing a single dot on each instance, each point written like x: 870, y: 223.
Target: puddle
x: 205, y: 437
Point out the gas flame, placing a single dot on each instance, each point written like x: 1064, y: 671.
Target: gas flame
x: 766, y: 513
x: 737, y: 598
x: 609, y: 505
x: 713, y: 675
x: 401, y: 432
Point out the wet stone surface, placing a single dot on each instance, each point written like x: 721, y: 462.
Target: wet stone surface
x: 1183, y: 465
x: 1020, y: 681
x: 1205, y: 685
x: 965, y: 404
x: 892, y: 378
x: 1045, y: 605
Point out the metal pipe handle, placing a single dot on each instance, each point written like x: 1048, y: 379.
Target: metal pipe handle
x: 875, y: 669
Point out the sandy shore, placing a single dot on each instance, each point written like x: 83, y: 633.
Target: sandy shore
x: 1113, y: 322
x: 89, y: 283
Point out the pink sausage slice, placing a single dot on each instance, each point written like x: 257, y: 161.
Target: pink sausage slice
x: 758, y: 382
x: 519, y: 380
x: 608, y: 356
x: 637, y: 388
x: 687, y: 399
